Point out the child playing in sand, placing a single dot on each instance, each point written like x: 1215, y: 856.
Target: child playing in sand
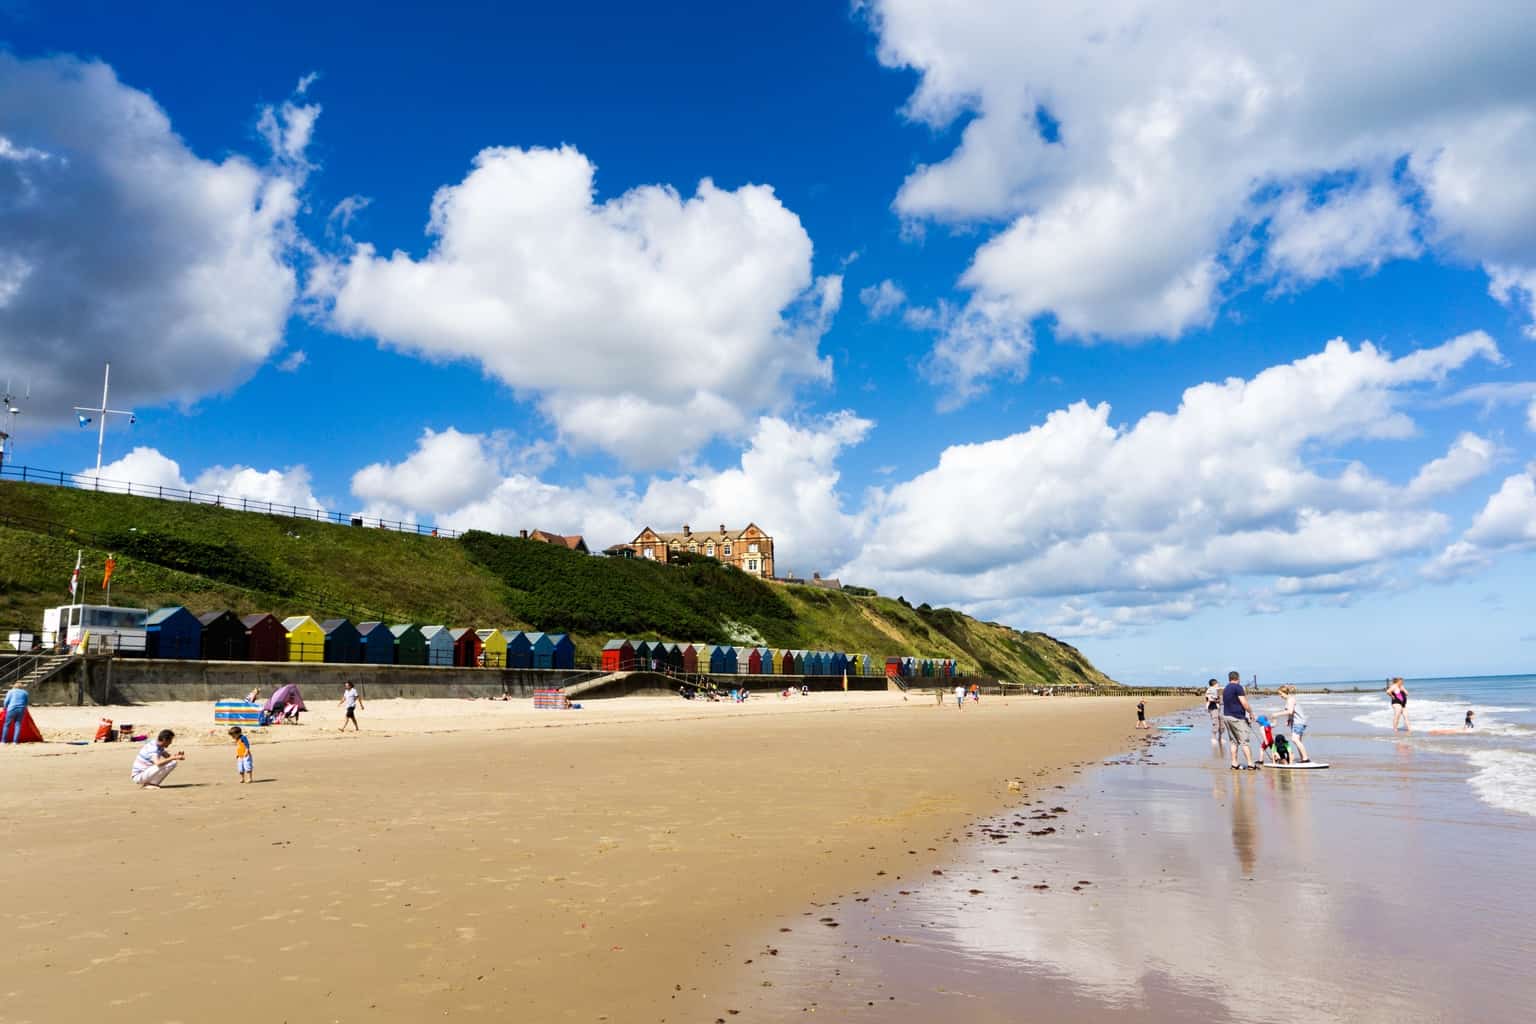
x: 243, y: 763
x: 1267, y: 746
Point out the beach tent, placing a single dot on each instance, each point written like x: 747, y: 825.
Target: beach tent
x: 543, y: 650
x: 172, y: 632
x: 410, y: 645
x: 343, y: 643
x: 562, y: 651
x: 223, y: 636
x: 29, y: 732
x: 306, y: 640
x: 722, y: 660
x: 377, y: 642
x: 519, y: 650
x: 439, y: 645
x: 282, y: 698
x: 237, y: 712
x: 466, y: 647
x: 618, y: 656
x: 493, y: 642
x: 265, y: 638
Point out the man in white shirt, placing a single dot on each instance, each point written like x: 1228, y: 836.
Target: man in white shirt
x: 154, y: 762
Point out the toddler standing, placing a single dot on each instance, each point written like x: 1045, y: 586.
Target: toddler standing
x: 243, y: 763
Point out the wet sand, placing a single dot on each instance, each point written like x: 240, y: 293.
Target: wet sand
x: 613, y: 868
x: 1173, y: 889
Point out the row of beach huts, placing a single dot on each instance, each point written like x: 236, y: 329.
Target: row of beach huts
x: 176, y: 632
x: 620, y: 655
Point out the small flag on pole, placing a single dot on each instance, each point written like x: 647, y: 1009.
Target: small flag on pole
x: 74, y: 577
x: 106, y: 577
x: 85, y: 421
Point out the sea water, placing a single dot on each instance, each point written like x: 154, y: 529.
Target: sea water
x: 1395, y: 885
x: 1498, y: 755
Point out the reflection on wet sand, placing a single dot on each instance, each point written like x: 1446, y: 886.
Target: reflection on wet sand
x: 1132, y: 909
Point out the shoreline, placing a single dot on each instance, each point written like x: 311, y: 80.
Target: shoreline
x: 570, y: 873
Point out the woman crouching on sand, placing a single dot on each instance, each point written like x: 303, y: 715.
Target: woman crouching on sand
x: 1296, y: 720
x: 1399, y: 698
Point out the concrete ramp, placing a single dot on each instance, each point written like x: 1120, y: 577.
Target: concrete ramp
x: 622, y: 684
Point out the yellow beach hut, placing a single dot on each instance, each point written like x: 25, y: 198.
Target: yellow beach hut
x: 306, y: 640
x: 493, y: 647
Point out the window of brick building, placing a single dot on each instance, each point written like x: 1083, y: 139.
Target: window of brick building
x: 727, y: 551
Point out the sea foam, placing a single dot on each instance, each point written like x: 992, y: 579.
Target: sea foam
x: 1505, y: 779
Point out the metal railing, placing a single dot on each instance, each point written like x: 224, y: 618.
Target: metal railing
x: 88, y: 482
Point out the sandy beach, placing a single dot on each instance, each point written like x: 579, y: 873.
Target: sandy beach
x: 474, y: 859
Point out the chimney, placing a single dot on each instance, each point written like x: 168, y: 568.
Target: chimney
x: 523, y: 534
x: 722, y: 529
x: 687, y: 532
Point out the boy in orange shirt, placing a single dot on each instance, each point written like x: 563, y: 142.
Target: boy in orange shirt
x: 243, y: 762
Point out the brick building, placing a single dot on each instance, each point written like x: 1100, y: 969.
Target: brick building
x: 748, y: 549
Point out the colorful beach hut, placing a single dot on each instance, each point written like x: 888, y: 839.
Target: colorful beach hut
x: 562, y: 652
x: 690, y: 658
x: 343, y: 643
x: 265, y: 638
x: 543, y: 650
x: 410, y: 644
x: 466, y: 647
x: 743, y: 659
x: 618, y: 656
x: 754, y: 662
x: 223, y: 636
x: 439, y: 645
x: 768, y: 660
x: 837, y: 664
x: 377, y: 642
x: 172, y: 632
x: 722, y: 660
x: 787, y: 663
x: 519, y: 649
x: 306, y: 640
x: 493, y: 644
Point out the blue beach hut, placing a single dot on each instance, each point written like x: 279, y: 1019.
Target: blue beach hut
x: 543, y: 650
x: 562, y: 651
x: 173, y: 632
x: 519, y: 649
x: 722, y: 660
x: 377, y: 642
x: 439, y: 645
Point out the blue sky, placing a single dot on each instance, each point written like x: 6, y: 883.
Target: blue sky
x: 824, y: 270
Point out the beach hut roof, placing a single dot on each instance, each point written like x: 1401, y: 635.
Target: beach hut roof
x: 431, y: 631
x: 255, y: 620
x: 293, y: 622
x: 208, y: 618
x: 332, y: 625
x: 159, y: 615
x: 486, y: 634
x: 616, y: 645
x: 367, y: 628
x: 534, y: 638
x: 403, y: 628
x: 459, y: 633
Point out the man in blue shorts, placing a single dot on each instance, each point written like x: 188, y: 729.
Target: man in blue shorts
x: 1236, y: 712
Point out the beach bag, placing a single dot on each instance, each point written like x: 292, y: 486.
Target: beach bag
x: 105, y: 733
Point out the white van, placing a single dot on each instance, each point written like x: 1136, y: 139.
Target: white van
x: 104, y: 628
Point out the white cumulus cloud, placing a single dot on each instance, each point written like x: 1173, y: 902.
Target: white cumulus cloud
x: 883, y: 299
x: 644, y: 325
x: 147, y: 470
x: 1469, y: 457
x: 1135, y: 156
x: 118, y: 243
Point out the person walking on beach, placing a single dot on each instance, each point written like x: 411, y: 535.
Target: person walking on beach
x: 1236, y: 712
x: 1295, y: 720
x: 1141, y: 714
x: 154, y: 762
x: 351, y: 701
x: 16, y: 700
x: 243, y: 763
x: 1213, y: 708
x: 960, y: 696
x: 1399, y: 698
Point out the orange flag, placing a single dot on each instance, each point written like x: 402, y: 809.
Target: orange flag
x: 106, y: 578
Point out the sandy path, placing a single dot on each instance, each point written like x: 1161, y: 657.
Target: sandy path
x: 514, y: 871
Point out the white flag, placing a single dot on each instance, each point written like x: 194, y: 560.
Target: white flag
x: 74, y: 577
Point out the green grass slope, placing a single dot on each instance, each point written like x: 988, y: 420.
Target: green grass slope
x: 208, y: 558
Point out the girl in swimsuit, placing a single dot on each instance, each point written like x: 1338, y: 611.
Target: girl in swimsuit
x: 1399, y: 698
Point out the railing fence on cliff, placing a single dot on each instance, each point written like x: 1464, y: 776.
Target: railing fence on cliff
x: 88, y: 482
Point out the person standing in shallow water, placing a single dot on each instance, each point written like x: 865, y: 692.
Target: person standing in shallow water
x: 1236, y: 712
x: 1213, y: 708
x: 1399, y: 698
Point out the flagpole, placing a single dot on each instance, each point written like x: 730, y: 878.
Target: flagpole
x: 101, y: 428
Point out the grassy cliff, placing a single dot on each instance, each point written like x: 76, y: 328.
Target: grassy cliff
x: 207, y: 558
